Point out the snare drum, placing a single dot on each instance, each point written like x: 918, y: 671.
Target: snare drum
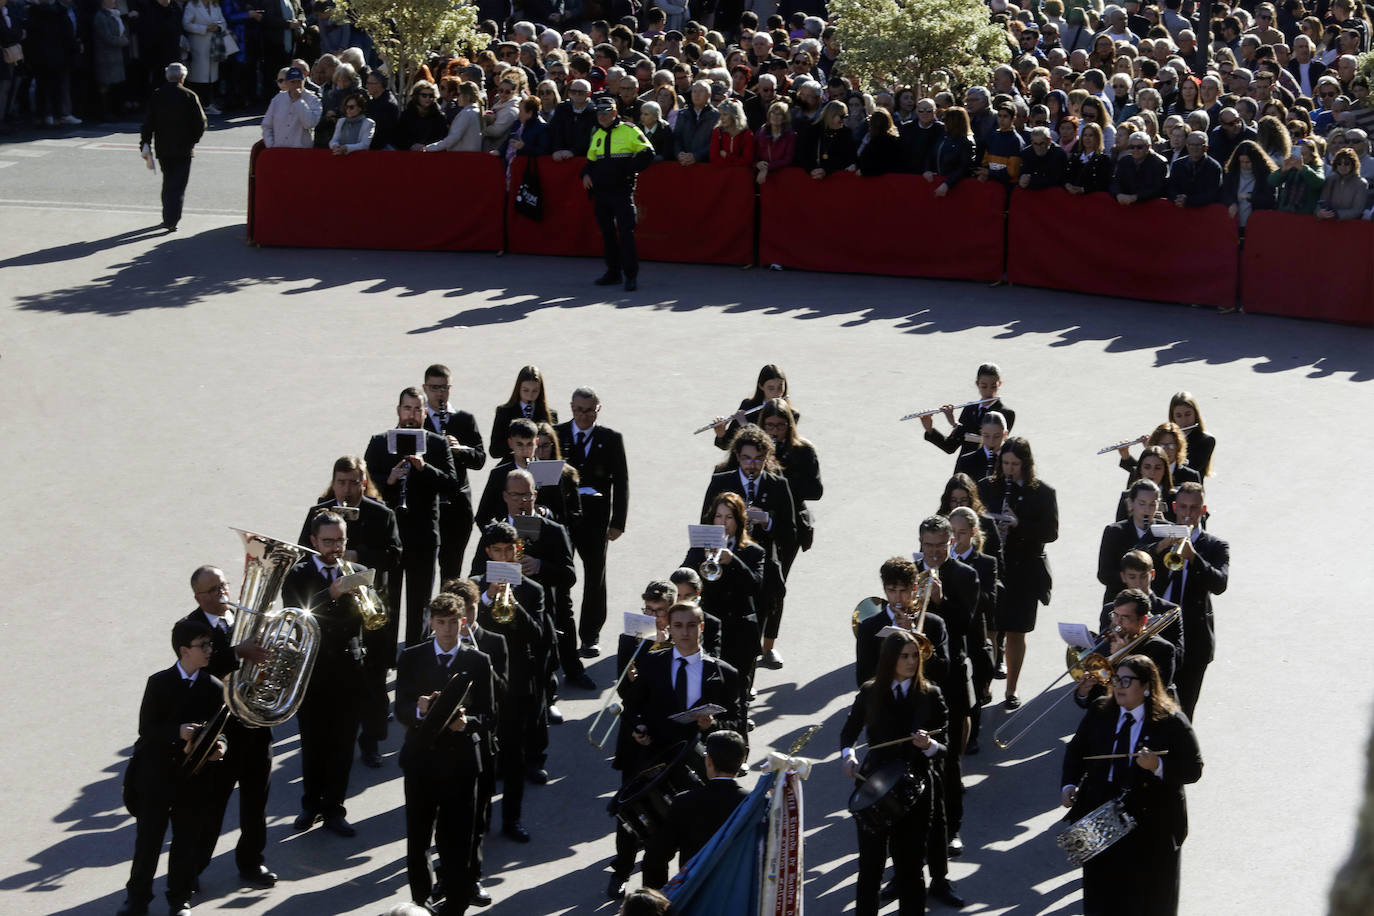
x: 642, y: 805
x: 886, y: 796
x: 1095, y: 831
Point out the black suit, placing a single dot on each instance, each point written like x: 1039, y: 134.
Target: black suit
x: 1137, y: 875
x: 772, y: 494
x: 1118, y: 539
x: 158, y: 791
x: 455, y: 509
x: 977, y: 464
x: 867, y: 647
x: 878, y: 712
x: 332, y: 709
x: 654, y: 700
x: 1207, y: 574
x: 733, y: 599
x: 970, y: 422
x: 605, y: 483
x: 1200, y: 448
x: 561, y: 499
x: 248, y: 763
x: 693, y: 818
x: 376, y: 541
x: 1025, y: 568
x: 521, y: 707
x: 500, y: 427
x: 982, y: 653
x: 441, y: 779
x: 415, y: 500
x: 958, y: 609
x: 1158, y: 608
x: 493, y: 646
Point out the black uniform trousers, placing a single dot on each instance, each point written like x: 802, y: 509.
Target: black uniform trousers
x: 1188, y: 681
x: 615, y: 210
x: 381, y: 658
x: 1116, y: 884
x: 771, y: 605
x: 176, y: 174
x: 249, y: 764
x: 441, y: 801
x: 329, y: 718
x: 905, y: 842
x: 417, y: 571
x: 589, y: 540
x: 186, y: 811
x: 455, y: 528
x: 514, y: 739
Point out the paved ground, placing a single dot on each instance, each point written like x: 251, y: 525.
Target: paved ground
x: 162, y: 388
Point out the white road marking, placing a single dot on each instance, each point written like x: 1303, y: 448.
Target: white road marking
x: 108, y: 208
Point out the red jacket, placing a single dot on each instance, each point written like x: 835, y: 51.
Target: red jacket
x: 728, y: 150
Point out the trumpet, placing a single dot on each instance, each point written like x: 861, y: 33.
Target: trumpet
x: 1173, y: 560
x: 611, y: 704
x: 503, y: 605
x: 1088, y: 663
x: 712, y: 424
x: 710, y: 568
x: 934, y: 410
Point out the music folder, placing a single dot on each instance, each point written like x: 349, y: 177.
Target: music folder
x: 405, y: 441
x: 546, y: 472
x: 687, y: 717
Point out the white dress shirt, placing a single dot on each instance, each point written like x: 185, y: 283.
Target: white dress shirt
x: 694, y: 672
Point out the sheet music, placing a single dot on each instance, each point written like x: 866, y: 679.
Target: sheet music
x: 640, y: 626
x: 546, y: 472
x: 395, y: 436
x: 707, y: 536
x: 1170, y: 531
x: 1076, y: 635
x: 503, y: 572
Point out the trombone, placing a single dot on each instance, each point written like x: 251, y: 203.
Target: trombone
x: 934, y: 410
x: 1089, y: 662
x: 611, y: 704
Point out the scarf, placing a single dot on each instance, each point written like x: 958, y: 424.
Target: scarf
x: 351, y: 129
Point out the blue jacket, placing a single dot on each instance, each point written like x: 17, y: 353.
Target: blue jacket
x: 693, y: 131
x: 536, y: 137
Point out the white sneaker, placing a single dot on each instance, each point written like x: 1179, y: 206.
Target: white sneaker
x: 212, y: 110
x: 70, y: 119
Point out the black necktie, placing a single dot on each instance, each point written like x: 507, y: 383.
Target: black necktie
x: 1174, y: 591
x: 1122, y: 765
x: 445, y: 659
x: 680, y: 683
x: 898, y: 692
x: 582, y: 442
x: 329, y: 574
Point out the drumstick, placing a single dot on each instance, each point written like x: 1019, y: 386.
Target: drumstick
x: 874, y: 747
x: 1124, y: 756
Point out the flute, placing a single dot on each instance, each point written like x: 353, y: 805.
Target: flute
x: 712, y: 425
x: 934, y: 410
x: 1141, y: 439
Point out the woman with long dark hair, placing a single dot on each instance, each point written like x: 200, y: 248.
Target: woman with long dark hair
x: 771, y: 384
x: 897, y: 704
x: 1186, y: 415
x: 527, y: 399
x: 1138, y: 874
x: 1028, y: 511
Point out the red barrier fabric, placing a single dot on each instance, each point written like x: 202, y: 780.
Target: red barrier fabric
x: 253, y: 155
x: 698, y: 214
x: 1189, y: 255
x: 890, y: 224
x: 1304, y: 267
x: 382, y: 200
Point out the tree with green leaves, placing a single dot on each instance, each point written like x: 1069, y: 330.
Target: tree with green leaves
x: 406, y: 32
x: 925, y: 44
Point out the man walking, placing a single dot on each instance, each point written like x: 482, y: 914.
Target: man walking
x: 173, y: 126
x: 617, y: 153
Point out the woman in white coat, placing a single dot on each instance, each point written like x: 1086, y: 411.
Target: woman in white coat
x: 201, y: 21
x: 505, y: 110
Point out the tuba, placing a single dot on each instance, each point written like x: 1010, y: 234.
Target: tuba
x: 270, y: 693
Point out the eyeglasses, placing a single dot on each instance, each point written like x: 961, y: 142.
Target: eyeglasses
x: 203, y: 646
x: 520, y: 496
x: 1326, y: 95
x: 1125, y: 680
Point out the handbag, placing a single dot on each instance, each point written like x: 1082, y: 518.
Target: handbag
x: 529, y: 197
x: 14, y: 53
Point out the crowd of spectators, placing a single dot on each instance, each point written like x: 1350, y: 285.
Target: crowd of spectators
x: 1268, y: 109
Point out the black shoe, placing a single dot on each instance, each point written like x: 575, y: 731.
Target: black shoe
x: 771, y: 659
x: 589, y: 650
x: 889, y: 891
x: 178, y: 909
x: 170, y: 227
x: 607, y: 279
x: 972, y: 748
x: 749, y: 724
x: 516, y: 831
x: 582, y: 680
x: 371, y: 756
x: 479, y: 897
x: 942, y: 889
x: 956, y: 846
x: 130, y: 908
x: 615, y: 888
x: 1001, y: 673
x: 305, y: 822
x: 260, y: 877
x: 1012, y: 702
x: 555, y: 716
x: 337, y: 824
x: 539, y: 776
x: 630, y: 284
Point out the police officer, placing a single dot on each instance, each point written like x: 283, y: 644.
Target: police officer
x: 617, y: 153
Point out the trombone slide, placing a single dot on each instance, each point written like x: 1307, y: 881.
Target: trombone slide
x: 611, y: 704
x: 934, y: 410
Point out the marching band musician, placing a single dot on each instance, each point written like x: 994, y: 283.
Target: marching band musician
x: 752, y: 472
x: 732, y: 597
x: 967, y: 549
x: 989, y: 383
x: 659, y: 596
x: 981, y: 461
x: 1138, y: 874
x: 157, y: 789
x: 896, y: 702
x: 1129, y: 616
x: 802, y: 469
x: 1153, y: 465
x: 962, y: 491
x: 566, y: 503
x: 687, y: 581
x: 1138, y: 572
x: 528, y: 400
x: 1185, y: 414
x: 695, y: 815
x: 441, y: 778
x: 1205, y: 572
x: 375, y: 542
x: 1170, y: 438
x: 1033, y: 522
x: 412, y: 486
x: 522, y: 439
x: 331, y: 712
x: 493, y: 646
x: 597, y: 453
x: 898, y: 576
x: 1130, y: 533
x: 525, y: 633
x: 250, y: 762
x: 459, y: 429
x: 770, y: 386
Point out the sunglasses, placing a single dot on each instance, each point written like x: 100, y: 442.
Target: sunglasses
x: 426, y: 95
x: 1139, y: 146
